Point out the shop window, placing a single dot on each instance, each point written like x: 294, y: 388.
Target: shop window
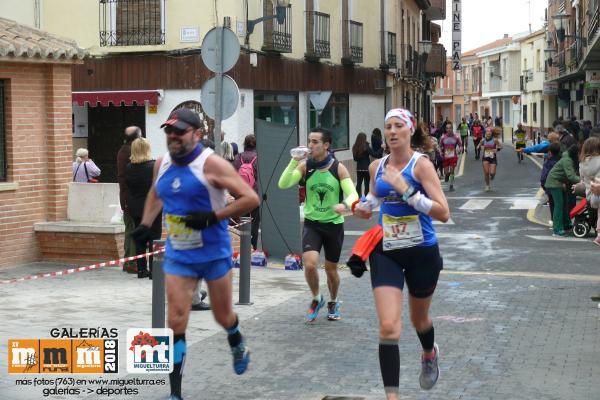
x: 334, y: 117
x: 276, y: 107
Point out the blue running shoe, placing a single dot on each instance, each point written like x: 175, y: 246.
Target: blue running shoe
x: 333, y: 311
x: 241, y: 358
x: 314, y: 308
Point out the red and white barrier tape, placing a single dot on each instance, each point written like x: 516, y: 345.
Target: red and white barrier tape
x: 240, y: 224
x: 79, y: 269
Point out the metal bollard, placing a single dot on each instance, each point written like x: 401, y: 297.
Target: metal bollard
x: 158, y: 289
x: 245, y: 254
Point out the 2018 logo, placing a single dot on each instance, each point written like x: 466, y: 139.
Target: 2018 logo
x: 150, y: 350
x: 63, y: 356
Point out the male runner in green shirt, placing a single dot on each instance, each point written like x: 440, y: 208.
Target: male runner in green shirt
x: 326, y: 182
x: 520, y: 141
x: 464, y: 132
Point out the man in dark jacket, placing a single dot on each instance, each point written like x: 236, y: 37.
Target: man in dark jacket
x: 566, y: 139
x: 131, y: 133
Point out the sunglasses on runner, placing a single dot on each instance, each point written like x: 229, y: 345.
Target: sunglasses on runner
x: 178, y: 132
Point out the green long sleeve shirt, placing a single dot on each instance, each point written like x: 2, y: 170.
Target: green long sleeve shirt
x: 563, y: 172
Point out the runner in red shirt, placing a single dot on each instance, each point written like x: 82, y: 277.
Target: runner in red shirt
x: 450, y: 144
x: 477, y: 132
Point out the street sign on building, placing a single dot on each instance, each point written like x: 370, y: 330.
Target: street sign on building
x: 456, y: 35
x: 592, y: 79
x: 550, y: 88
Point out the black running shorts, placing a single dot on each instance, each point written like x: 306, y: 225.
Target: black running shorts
x: 491, y: 160
x: 420, y: 266
x: 327, y: 235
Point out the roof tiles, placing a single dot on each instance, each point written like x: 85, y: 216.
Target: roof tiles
x: 21, y: 41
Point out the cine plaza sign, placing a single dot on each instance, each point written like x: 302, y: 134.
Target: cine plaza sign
x: 456, y: 35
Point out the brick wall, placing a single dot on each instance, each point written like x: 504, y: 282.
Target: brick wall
x: 80, y: 248
x: 39, y: 154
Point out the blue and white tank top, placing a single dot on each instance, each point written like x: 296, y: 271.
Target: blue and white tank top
x: 184, y: 189
x: 403, y: 226
x: 489, y: 148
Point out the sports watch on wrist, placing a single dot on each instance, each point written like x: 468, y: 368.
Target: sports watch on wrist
x: 407, y: 193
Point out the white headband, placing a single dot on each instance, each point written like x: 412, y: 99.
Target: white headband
x: 405, y: 115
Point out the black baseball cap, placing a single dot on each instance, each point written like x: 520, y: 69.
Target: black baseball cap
x: 183, y: 118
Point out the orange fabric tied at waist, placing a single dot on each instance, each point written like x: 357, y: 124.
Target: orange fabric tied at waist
x: 367, y: 242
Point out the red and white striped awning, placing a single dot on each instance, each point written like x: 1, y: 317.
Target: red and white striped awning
x: 116, y: 98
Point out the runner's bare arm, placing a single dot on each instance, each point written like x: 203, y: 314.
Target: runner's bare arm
x: 153, y: 203
x: 366, y: 213
x: 425, y: 173
x: 221, y: 174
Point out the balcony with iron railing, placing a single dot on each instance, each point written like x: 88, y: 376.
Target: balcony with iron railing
x: 410, y: 62
x: 436, y: 11
x: 495, y: 84
x: 318, y: 43
x: 132, y: 22
x: 443, y: 92
x: 436, y: 61
x: 390, y: 51
x: 561, y: 63
x: 593, y: 13
x: 277, y: 38
x: 352, y: 42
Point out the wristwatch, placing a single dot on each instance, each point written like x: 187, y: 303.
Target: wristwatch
x: 407, y: 193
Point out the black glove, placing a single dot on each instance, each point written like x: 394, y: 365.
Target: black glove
x: 142, y: 234
x: 357, y: 266
x: 200, y: 219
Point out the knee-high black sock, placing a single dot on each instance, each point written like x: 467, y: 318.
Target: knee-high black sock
x: 180, y: 348
x: 427, y: 338
x: 389, y: 363
x: 234, y: 337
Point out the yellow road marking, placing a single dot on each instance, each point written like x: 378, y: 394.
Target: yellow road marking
x: 461, y: 169
x: 520, y: 274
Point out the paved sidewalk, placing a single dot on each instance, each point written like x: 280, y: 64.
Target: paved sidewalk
x: 501, y: 337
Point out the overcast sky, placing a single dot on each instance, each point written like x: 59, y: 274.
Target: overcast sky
x: 484, y: 21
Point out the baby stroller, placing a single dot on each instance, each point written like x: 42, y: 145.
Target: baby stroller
x: 584, y: 218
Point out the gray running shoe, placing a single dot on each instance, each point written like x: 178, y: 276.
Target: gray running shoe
x: 429, y: 370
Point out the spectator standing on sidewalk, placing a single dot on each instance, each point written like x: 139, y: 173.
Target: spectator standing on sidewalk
x: 377, y: 143
x: 560, y: 177
x: 250, y: 157
x: 138, y: 176
x: 123, y: 157
x: 362, y: 153
x: 84, y: 169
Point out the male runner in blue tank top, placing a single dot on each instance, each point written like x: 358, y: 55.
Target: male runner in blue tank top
x: 189, y: 185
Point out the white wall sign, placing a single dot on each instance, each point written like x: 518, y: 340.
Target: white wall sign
x: 456, y: 35
x: 592, y: 79
x: 189, y: 34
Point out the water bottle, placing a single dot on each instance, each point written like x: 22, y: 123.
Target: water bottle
x: 300, y: 152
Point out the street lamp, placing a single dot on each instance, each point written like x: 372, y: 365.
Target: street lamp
x: 425, y: 46
x: 425, y: 49
x: 280, y: 6
x: 560, y: 23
